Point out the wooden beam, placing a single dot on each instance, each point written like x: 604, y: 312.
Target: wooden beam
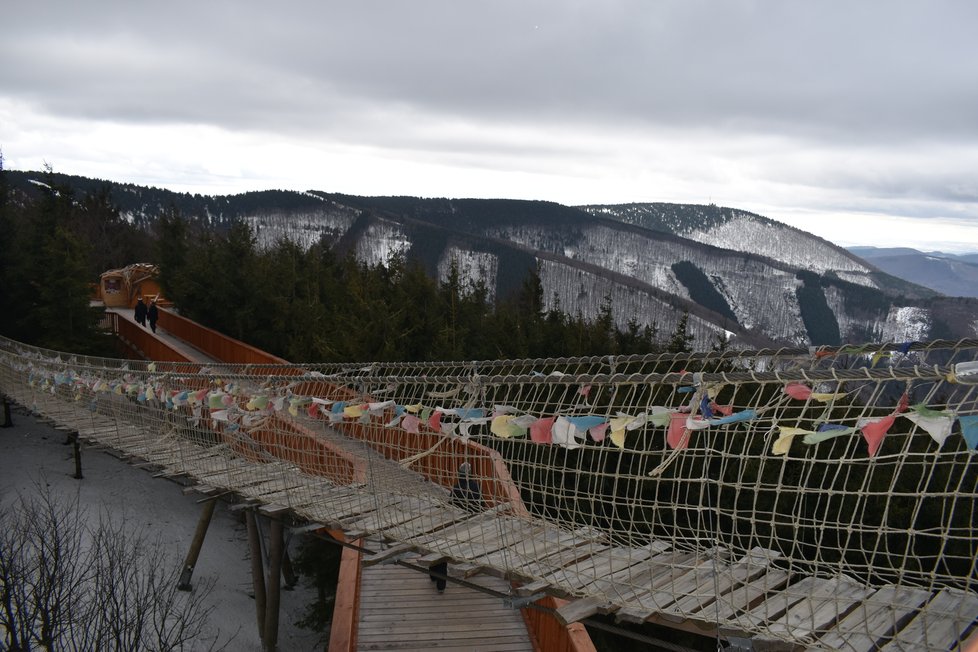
x: 257, y: 569
x: 578, y: 610
x: 198, y: 541
x: 273, y: 585
x: 384, y: 555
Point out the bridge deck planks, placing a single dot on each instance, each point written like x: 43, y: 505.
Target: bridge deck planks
x: 540, y: 539
x: 942, y: 622
x: 719, y: 580
x: 887, y: 610
x: 827, y: 602
x: 826, y: 613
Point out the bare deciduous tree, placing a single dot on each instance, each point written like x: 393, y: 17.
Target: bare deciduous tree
x: 68, y: 585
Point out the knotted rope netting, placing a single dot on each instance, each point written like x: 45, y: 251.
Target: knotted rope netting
x: 845, y: 471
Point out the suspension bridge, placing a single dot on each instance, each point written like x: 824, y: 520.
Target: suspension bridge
x: 820, y: 498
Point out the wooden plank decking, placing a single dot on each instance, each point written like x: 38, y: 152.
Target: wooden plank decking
x: 400, y: 609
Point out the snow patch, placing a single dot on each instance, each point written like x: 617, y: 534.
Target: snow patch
x: 745, y: 233
x: 907, y: 324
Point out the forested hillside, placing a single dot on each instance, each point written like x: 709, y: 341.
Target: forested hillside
x: 303, y: 303
x: 713, y: 273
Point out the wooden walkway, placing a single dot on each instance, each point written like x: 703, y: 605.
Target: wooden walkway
x: 400, y: 609
x: 192, y: 354
x: 697, y: 589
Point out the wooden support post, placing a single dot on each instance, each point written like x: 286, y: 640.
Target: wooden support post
x: 257, y: 568
x: 288, y: 573
x: 202, y: 524
x: 77, y: 446
x: 275, y: 549
x: 5, y: 421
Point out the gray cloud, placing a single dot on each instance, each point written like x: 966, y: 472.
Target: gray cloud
x: 871, y: 100
x: 828, y: 69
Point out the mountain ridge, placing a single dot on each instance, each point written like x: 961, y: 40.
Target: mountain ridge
x: 792, y: 288
x: 949, y: 274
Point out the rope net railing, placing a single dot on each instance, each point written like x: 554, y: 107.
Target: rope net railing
x: 825, y: 496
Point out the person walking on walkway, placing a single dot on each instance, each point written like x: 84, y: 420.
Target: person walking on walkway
x: 153, y: 313
x: 467, y: 495
x: 140, y: 312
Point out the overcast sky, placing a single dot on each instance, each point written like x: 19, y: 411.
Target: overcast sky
x: 856, y: 121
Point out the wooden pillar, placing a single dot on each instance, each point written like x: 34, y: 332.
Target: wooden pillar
x: 275, y: 549
x: 288, y: 573
x: 202, y: 524
x: 5, y: 421
x: 257, y: 569
x: 77, y: 446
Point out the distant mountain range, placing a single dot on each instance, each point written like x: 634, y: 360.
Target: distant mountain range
x: 950, y: 274
x: 734, y: 273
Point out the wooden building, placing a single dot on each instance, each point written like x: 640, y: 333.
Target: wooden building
x: 121, y: 288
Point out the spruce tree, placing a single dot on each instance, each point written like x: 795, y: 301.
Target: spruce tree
x: 681, y: 340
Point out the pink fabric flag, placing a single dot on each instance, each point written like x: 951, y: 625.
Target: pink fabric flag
x: 542, y: 430
x: 798, y: 391
x: 410, y: 423
x: 904, y: 404
x: 677, y: 428
x: 598, y: 431
x: 875, y: 431
x: 434, y: 422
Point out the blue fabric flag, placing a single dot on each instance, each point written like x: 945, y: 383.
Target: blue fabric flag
x: 969, y: 428
x: 586, y: 423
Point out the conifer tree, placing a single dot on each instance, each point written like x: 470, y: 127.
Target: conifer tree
x: 50, y: 277
x: 171, y: 251
x: 681, y: 340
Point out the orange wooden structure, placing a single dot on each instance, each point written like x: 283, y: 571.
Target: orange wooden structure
x: 120, y: 288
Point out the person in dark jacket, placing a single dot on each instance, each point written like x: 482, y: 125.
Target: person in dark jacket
x: 140, y: 312
x: 467, y: 495
x: 153, y: 313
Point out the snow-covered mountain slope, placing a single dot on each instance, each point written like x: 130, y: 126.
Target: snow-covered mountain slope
x: 738, y: 230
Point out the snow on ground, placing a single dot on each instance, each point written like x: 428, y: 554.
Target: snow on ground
x: 31, y: 452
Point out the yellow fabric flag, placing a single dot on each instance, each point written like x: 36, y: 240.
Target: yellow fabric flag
x: 825, y: 398
x: 353, y: 411
x: 502, y: 427
x: 783, y: 443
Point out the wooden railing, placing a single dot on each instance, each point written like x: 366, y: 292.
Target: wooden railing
x: 215, y: 344
x: 142, y: 343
